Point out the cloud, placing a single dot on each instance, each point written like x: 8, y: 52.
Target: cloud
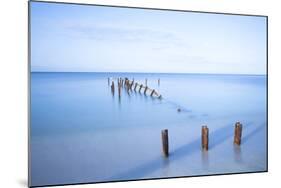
x: 118, y: 33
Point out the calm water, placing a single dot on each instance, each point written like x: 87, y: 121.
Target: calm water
x: 81, y: 133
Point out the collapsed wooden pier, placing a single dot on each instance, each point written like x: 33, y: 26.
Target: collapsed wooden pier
x: 131, y: 85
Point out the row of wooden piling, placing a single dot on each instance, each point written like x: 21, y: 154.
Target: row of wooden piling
x: 131, y: 85
x: 204, y: 138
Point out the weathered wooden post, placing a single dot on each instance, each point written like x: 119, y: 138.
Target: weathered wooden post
x: 205, y: 138
x: 158, y: 81
x: 146, y: 82
x: 140, y: 87
x: 132, y: 84
x: 145, y: 90
x: 119, y: 90
x: 128, y: 84
x: 152, y: 92
x: 125, y: 82
x: 237, y: 133
x: 165, y: 142
x: 112, y: 87
x: 136, y: 86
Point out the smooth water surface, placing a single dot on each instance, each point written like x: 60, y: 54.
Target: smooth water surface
x: 81, y: 133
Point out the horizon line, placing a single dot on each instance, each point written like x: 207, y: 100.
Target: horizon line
x: 246, y: 74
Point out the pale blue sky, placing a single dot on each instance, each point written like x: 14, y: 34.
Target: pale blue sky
x: 81, y: 38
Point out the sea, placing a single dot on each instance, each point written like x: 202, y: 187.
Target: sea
x: 80, y: 132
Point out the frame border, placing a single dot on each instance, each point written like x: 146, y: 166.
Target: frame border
x: 143, y: 8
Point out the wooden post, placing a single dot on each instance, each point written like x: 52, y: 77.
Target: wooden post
x: 136, y: 86
x: 145, y: 90
x: 108, y: 81
x: 140, y: 87
x: 127, y: 85
x: 125, y: 82
x: 205, y: 138
x: 158, y: 81
x: 146, y: 82
x: 165, y: 142
x: 112, y: 87
x: 132, y: 84
x: 152, y: 92
x: 119, y: 90
x: 237, y: 133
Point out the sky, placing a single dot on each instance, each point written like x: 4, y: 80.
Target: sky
x: 80, y: 38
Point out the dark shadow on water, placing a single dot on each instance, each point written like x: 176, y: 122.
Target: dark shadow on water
x: 224, y: 133
x: 216, y: 137
x: 220, y: 135
x: 247, y: 137
x: 237, y: 149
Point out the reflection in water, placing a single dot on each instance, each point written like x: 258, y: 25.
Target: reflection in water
x: 119, y: 101
x: 205, y: 159
x: 237, y: 153
x: 166, y: 166
x: 93, y: 115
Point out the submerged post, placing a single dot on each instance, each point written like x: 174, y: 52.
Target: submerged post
x: 205, y: 138
x: 165, y: 142
x: 119, y: 90
x: 146, y: 82
x: 112, y: 87
x: 152, y: 92
x: 136, y: 86
x: 132, y: 84
x: 237, y: 133
x: 140, y: 87
x: 145, y: 90
x: 158, y: 81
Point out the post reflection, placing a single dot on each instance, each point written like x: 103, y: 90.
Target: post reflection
x: 237, y: 153
x: 205, y: 159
